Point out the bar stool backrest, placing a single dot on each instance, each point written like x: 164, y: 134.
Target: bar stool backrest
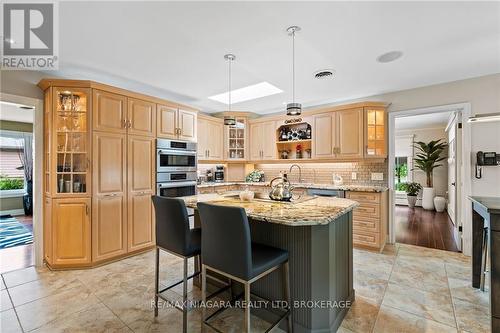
x: 172, y: 224
x: 225, y: 239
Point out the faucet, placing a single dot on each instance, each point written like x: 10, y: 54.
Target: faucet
x: 300, y: 171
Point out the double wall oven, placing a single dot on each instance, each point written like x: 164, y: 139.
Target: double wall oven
x: 175, y: 168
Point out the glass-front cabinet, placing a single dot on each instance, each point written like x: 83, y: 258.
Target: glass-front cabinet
x: 236, y: 139
x: 375, y: 145
x: 70, y: 167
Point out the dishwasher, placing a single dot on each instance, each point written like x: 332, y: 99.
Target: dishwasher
x: 326, y: 193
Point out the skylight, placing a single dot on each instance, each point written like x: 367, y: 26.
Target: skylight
x: 255, y: 91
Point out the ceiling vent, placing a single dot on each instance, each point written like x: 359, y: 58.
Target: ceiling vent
x: 27, y: 107
x: 324, y: 74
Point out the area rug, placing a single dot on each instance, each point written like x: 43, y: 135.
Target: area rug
x: 13, y: 233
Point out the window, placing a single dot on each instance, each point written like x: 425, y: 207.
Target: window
x: 12, y: 179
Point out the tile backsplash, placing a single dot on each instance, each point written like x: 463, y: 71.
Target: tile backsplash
x: 322, y: 173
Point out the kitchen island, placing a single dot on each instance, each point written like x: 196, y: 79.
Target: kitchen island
x: 317, y: 232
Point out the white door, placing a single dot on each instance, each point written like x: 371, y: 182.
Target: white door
x: 454, y: 182
x: 452, y: 177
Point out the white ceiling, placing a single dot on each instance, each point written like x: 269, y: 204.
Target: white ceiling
x: 175, y: 50
x: 431, y: 120
x: 14, y: 113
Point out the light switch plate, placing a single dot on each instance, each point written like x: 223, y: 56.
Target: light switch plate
x: 377, y: 176
x: 354, y: 175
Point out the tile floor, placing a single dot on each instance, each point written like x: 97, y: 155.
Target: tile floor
x: 404, y: 289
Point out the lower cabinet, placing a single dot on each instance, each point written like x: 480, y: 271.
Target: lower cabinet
x: 369, y: 222
x: 67, y: 231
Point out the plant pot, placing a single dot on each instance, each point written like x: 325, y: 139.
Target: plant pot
x: 428, y: 195
x: 412, y: 200
x: 28, y: 199
x: 440, y: 204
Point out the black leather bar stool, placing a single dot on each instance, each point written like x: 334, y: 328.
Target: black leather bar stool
x: 227, y: 249
x: 174, y: 236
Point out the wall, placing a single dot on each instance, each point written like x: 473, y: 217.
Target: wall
x: 440, y: 176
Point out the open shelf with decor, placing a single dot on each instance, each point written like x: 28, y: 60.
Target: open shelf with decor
x: 294, y: 141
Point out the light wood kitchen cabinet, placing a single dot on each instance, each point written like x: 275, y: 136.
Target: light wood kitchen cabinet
x: 324, y: 135
x: 141, y: 117
x: 109, y: 112
x: 141, y: 185
x: 375, y: 133
x: 176, y: 123
x: 71, y: 232
x: 109, y: 199
x: 349, y: 130
x: 210, y: 138
x: 369, y: 221
x: 263, y: 140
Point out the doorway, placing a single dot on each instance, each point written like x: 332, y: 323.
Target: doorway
x: 20, y: 209
x: 446, y: 229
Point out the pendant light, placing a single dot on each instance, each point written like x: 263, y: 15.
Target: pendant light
x: 293, y: 109
x: 229, y: 120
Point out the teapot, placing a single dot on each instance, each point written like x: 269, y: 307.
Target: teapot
x: 282, y: 190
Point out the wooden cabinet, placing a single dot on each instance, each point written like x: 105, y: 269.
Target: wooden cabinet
x: 176, y: 123
x: 236, y: 140
x: 349, y: 131
x: 109, y: 112
x: 141, y: 185
x: 375, y: 133
x: 369, y: 219
x: 210, y: 138
x: 109, y: 199
x: 324, y: 135
x: 71, y: 232
x: 263, y: 140
x: 141, y: 117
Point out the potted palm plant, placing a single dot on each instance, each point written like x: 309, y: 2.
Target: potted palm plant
x: 411, y: 190
x: 427, y: 159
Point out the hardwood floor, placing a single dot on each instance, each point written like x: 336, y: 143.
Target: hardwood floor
x: 21, y: 256
x: 424, y: 228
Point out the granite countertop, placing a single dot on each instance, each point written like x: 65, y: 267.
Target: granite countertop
x: 350, y: 187
x: 316, y: 211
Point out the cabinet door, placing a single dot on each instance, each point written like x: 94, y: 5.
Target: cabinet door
x: 109, y: 112
x: 166, y: 118
x: 268, y: 141
x: 215, y: 140
x: 109, y: 199
x: 202, y: 134
x: 256, y: 141
x: 324, y: 136
x: 71, y: 231
x: 186, y: 122
x: 142, y: 117
x: 350, y: 133
x: 375, y: 136
x: 140, y: 188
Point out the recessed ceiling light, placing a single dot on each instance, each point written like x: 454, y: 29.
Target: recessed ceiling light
x: 389, y: 56
x: 255, y: 91
x: 324, y: 74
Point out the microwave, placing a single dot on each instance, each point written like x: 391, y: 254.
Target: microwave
x: 175, y: 156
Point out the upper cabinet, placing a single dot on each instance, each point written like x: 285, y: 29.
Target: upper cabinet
x: 236, y: 140
x: 210, y: 138
x: 141, y: 117
x: 173, y: 123
x: 109, y: 112
x: 324, y: 137
x: 375, y: 136
x: 263, y: 140
x: 349, y: 131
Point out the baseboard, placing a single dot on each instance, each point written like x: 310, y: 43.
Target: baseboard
x: 13, y: 212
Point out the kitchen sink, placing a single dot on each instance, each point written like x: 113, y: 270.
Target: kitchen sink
x: 264, y: 197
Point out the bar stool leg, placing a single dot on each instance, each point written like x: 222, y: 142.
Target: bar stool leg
x: 203, y: 296
x: 184, y: 297
x: 484, y: 258
x: 286, y: 284
x: 157, y: 278
x: 247, y: 308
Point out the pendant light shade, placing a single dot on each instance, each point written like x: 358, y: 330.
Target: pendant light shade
x: 293, y: 109
x: 229, y: 120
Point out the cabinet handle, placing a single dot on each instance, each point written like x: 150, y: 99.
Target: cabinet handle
x: 124, y: 123
x: 87, y: 209
x: 109, y: 195
x: 129, y: 124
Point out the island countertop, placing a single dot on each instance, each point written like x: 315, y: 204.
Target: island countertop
x: 315, y: 211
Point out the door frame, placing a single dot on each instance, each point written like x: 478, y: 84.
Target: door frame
x: 37, y: 169
x: 465, y: 171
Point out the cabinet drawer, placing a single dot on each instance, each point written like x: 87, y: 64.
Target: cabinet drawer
x: 370, y: 239
x: 364, y: 196
x: 366, y: 210
x: 366, y: 224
